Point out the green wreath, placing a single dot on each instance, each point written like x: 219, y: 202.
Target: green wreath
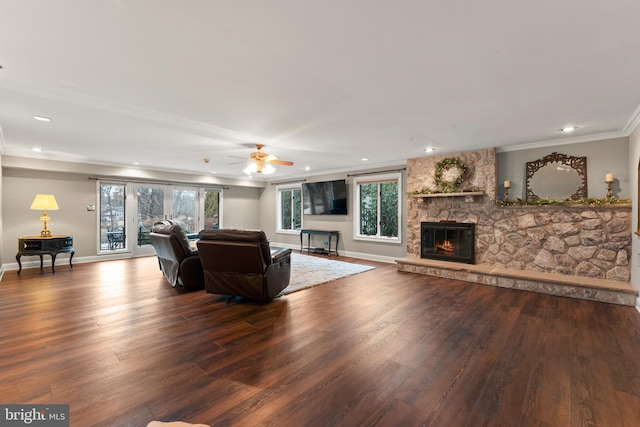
x: 449, y: 175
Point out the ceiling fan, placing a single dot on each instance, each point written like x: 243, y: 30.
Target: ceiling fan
x: 261, y: 162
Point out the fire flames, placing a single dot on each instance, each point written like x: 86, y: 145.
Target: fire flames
x: 445, y: 247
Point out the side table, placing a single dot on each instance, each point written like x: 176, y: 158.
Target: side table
x: 53, y: 245
x: 323, y: 250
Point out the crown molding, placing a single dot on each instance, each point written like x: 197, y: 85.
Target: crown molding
x: 123, y: 173
x: 369, y: 167
x: 633, y: 123
x: 563, y: 141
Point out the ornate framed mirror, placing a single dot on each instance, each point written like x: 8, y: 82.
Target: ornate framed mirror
x: 557, y: 176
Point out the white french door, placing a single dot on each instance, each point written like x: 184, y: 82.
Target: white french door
x: 155, y: 203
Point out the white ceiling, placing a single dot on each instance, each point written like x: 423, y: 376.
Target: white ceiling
x: 320, y: 83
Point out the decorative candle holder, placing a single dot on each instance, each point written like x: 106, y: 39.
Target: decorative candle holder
x: 609, y: 194
x: 506, y: 194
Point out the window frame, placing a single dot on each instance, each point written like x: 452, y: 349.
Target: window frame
x: 125, y: 247
x: 376, y: 179
x: 131, y: 208
x: 203, y: 195
x: 279, y: 190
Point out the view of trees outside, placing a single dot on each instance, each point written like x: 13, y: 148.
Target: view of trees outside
x: 150, y: 211
x: 389, y: 209
x: 211, y: 209
x: 291, y: 208
x: 369, y: 209
x: 379, y: 207
x: 112, y: 216
x: 184, y: 209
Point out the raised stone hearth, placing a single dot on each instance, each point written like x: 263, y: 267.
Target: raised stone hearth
x: 611, y: 291
x: 578, y: 251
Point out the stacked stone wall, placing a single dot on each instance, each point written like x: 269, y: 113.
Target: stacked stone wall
x: 580, y: 241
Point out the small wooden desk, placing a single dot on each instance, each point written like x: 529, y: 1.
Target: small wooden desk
x: 36, y: 245
x: 320, y: 250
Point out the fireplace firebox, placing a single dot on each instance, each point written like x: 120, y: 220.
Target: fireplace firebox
x: 448, y: 241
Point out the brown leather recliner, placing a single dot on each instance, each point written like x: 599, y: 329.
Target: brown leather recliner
x: 179, y: 263
x: 241, y: 263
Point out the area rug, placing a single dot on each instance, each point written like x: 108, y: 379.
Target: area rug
x: 309, y: 271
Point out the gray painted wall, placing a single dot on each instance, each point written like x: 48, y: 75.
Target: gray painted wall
x: 343, y: 223
x: 251, y: 206
x: 240, y: 207
x: 73, y: 193
x: 603, y: 157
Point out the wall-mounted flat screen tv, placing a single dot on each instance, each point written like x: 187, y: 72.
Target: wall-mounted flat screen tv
x: 325, y: 198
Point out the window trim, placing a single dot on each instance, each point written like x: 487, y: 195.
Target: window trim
x: 376, y: 179
x: 125, y: 247
x: 201, y: 214
x: 279, y: 189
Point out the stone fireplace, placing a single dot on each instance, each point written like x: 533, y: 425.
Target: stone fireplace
x: 525, y: 247
x: 447, y: 241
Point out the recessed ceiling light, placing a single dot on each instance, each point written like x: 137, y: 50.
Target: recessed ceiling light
x: 37, y: 149
x: 568, y: 129
x: 430, y: 149
x: 136, y: 163
x: 307, y: 168
x: 42, y: 118
x: 364, y: 159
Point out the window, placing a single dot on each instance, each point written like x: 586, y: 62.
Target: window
x: 112, y: 217
x: 184, y: 209
x: 212, y: 209
x: 289, y: 208
x: 194, y: 208
x: 377, y: 213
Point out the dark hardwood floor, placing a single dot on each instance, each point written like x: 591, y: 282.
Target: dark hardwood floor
x: 121, y: 347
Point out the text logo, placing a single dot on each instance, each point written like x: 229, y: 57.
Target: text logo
x: 34, y: 415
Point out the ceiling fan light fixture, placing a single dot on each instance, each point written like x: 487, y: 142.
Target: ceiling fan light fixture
x: 261, y: 162
x: 268, y: 169
x: 250, y: 169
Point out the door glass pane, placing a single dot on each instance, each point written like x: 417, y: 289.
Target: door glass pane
x: 150, y: 211
x: 389, y: 209
x: 297, y: 209
x: 285, y: 207
x: 184, y: 209
x: 211, y: 209
x: 369, y: 209
x: 112, y: 217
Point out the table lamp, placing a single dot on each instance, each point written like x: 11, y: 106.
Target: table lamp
x: 44, y: 202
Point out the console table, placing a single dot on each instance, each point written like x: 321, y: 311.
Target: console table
x: 36, y: 245
x: 323, y: 250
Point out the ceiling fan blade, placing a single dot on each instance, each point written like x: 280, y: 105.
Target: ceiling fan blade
x: 280, y: 162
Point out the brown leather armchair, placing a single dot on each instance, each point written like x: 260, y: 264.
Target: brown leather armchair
x: 241, y: 263
x: 179, y: 263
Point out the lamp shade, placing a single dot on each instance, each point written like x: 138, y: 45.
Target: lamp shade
x: 45, y: 202
x: 251, y: 168
x: 268, y: 169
